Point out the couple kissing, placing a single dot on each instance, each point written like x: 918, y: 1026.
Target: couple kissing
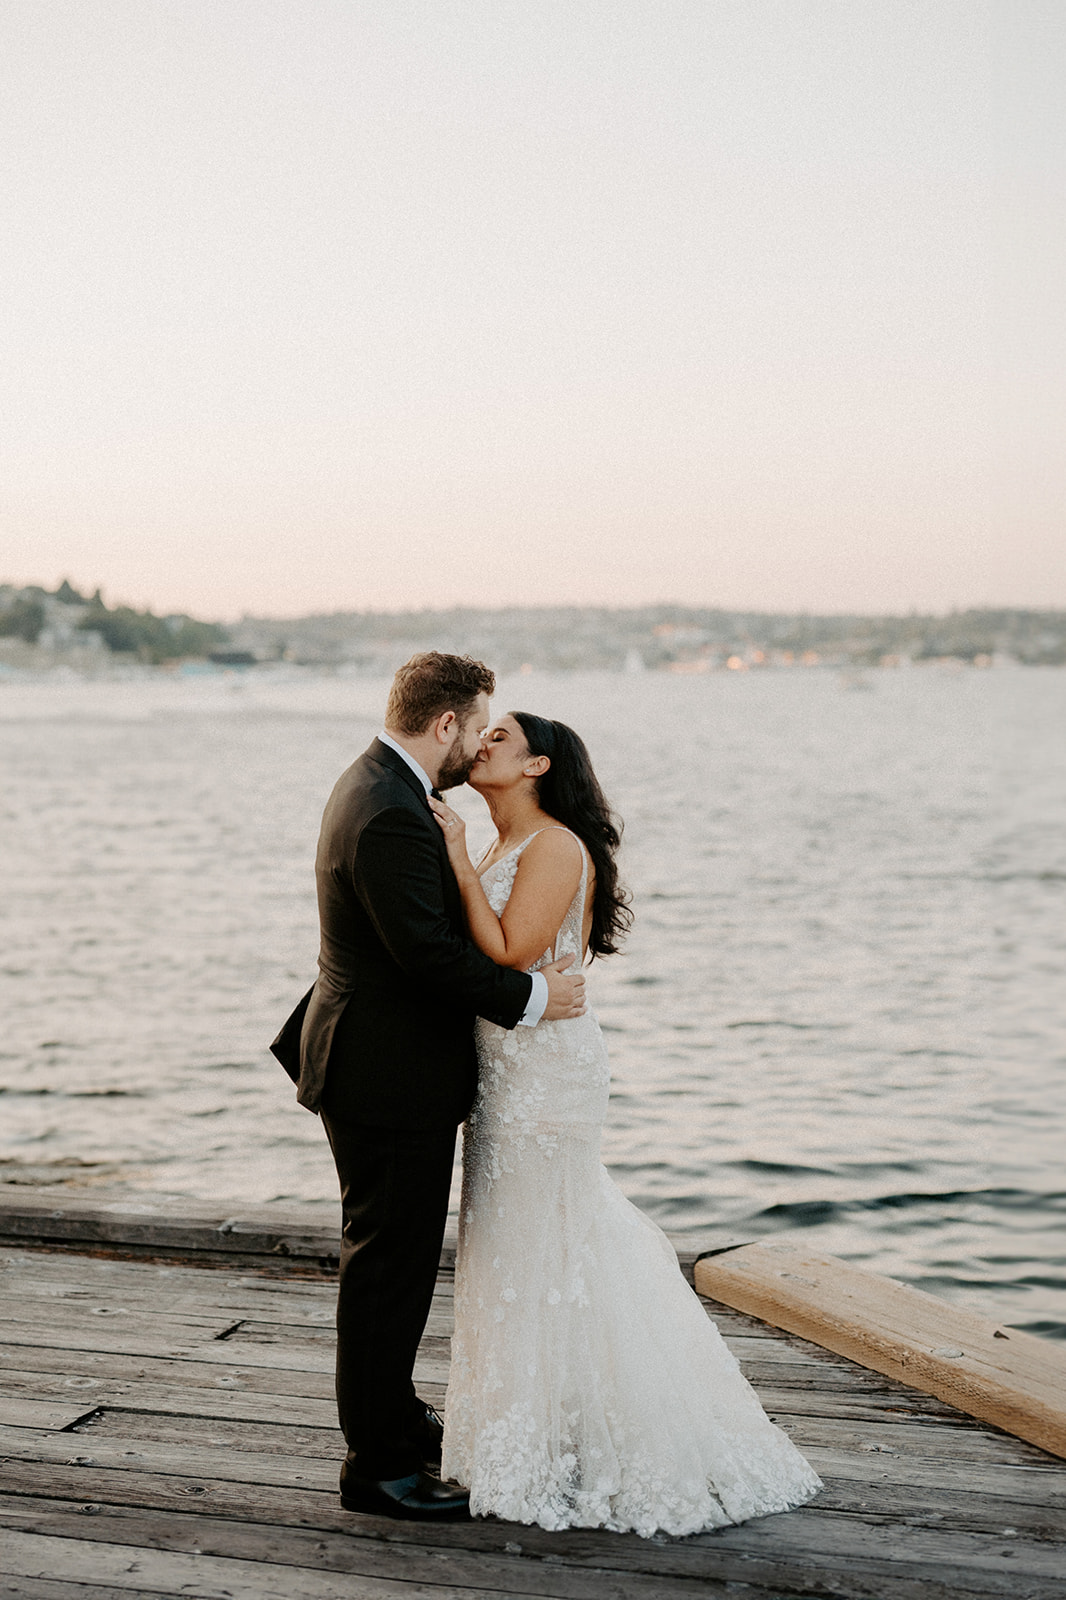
x: 588, y: 1388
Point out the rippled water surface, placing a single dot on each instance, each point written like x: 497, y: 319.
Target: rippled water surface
x: 842, y: 1008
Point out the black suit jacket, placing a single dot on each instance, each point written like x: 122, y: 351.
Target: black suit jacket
x: 386, y: 1034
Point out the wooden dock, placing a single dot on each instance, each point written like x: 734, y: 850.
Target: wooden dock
x: 167, y: 1428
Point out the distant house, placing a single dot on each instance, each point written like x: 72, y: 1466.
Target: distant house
x: 232, y: 658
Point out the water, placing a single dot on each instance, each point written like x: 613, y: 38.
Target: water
x: 841, y: 1010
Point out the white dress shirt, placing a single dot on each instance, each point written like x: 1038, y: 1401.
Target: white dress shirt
x: 538, y: 996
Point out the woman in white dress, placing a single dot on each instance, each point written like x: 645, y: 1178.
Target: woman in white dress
x: 588, y: 1386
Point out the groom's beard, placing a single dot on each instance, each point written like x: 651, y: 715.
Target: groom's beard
x: 455, y: 770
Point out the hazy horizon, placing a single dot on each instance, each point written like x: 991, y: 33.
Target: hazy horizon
x: 113, y: 600
x: 349, y: 307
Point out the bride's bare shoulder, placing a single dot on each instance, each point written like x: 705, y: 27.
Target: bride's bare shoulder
x: 555, y: 849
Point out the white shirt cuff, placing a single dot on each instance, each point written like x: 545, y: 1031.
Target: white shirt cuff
x: 538, y: 1001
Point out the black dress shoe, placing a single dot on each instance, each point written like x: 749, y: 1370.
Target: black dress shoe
x: 415, y: 1498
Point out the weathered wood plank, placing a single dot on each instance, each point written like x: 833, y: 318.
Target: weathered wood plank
x: 165, y: 1226
x: 786, y: 1404
x: 300, y: 1237
x: 121, y: 1335
x: 305, y: 1328
x: 805, y: 1552
x: 151, y: 1456
x: 78, y: 1480
x: 126, y: 1520
x: 220, y: 1405
x: 194, y: 1449
x: 866, y: 1552
x: 166, y: 1572
x: 285, y: 1439
x: 61, y: 1313
x: 859, y: 1382
x: 229, y: 1404
x: 789, y: 1350
x: 57, y: 1364
x: 157, y: 1299
x: 234, y: 1400
x: 857, y: 1404
x: 1040, y: 1487
x: 132, y: 1339
x: 1001, y: 1375
x: 19, y: 1411
x: 393, y: 1565
x: 55, y: 1350
x: 234, y: 1459
x: 27, y: 1588
x: 45, y: 1369
x: 187, y: 1275
x: 225, y: 1488
x: 266, y: 1303
x: 272, y: 1303
x: 117, y: 1388
x: 110, y: 1338
x: 898, y: 1447
x: 152, y: 1290
x: 956, y: 1509
x: 283, y: 1371
x: 929, y: 1440
x: 148, y: 1301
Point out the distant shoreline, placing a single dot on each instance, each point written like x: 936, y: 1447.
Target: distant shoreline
x: 42, y: 630
x: 43, y: 667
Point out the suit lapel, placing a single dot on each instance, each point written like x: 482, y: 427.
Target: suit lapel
x: 384, y: 757
x: 388, y: 758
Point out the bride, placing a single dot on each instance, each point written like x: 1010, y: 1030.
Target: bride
x: 588, y: 1386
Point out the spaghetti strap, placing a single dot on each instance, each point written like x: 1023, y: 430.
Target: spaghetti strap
x: 555, y: 827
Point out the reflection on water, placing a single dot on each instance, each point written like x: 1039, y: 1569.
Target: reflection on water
x: 841, y: 1009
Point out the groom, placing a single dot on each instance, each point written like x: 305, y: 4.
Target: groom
x: 382, y: 1047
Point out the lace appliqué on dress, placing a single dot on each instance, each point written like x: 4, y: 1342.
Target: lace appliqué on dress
x: 588, y: 1387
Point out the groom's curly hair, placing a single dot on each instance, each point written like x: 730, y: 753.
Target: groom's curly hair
x: 432, y: 683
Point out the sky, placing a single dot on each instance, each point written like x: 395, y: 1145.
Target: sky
x: 316, y: 305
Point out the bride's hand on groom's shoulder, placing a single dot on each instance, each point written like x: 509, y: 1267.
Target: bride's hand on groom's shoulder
x: 454, y: 830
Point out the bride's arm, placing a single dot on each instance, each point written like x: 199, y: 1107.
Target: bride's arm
x: 546, y: 881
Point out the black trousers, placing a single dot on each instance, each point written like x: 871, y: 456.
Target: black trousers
x: 394, y: 1199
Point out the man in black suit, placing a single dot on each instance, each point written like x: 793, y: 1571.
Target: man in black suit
x: 382, y: 1047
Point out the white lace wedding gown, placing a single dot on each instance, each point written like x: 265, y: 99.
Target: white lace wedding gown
x: 588, y: 1386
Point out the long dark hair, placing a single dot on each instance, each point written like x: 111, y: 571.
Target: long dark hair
x: 570, y: 792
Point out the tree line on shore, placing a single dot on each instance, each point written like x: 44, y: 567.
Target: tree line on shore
x: 560, y: 637
x: 35, y: 615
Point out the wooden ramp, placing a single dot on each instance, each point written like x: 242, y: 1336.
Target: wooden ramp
x: 998, y: 1374
x: 167, y: 1428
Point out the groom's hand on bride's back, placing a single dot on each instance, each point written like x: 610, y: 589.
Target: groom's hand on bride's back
x: 566, y: 991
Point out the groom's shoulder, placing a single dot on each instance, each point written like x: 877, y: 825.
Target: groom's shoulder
x: 370, y: 802
x: 371, y: 785
x: 362, y: 793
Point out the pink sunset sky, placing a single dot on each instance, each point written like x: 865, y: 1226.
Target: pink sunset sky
x: 342, y: 304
